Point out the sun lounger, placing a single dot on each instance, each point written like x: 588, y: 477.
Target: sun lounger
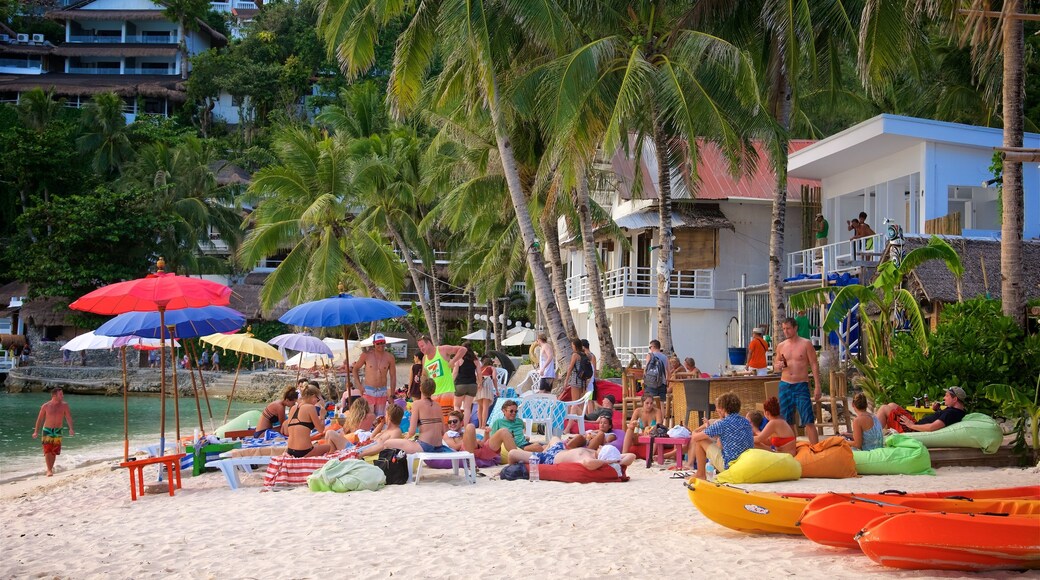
x: 469, y: 465
x: 230, y: 467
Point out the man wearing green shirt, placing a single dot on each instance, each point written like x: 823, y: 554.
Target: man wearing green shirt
x: 822, y: 229
x: 508, y: 430
x: 805, y: 328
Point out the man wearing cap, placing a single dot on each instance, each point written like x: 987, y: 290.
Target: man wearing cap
x: 756, y: 352
x: 822, y: 229
x: 898, y: 418
x: 378, y: 364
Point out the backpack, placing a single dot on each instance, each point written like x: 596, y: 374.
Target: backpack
x: 655, y: 372
x: 584, y: 368
x: 394, y: 464
x: 513, y: 472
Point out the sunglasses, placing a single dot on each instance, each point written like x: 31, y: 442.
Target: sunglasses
x: 453, y: 421
x: 509, y: 410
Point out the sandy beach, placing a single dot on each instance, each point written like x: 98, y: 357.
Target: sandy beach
x: 82, y: 524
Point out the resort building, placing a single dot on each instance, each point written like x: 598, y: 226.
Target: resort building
x: 128, y: 47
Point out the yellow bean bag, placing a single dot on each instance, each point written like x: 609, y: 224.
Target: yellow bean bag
x: 901, y: 455
x: 831, y: 458
x: 761, y: 466
x: 975, y: 431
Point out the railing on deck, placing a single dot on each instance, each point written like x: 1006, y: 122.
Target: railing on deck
x: 837, y: 257
x: 632, y: 281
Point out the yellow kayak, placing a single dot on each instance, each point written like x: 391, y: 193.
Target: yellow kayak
x: 747, y: 511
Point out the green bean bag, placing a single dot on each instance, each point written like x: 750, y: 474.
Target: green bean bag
x: 901, y: 455
x: 975, y: 430
x: 761, y: 466
x: 346, y: 475
x: 243, y: 421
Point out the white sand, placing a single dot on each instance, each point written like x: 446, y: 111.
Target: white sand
x: 82, y: 524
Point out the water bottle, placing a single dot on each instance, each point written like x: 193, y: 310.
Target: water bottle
x: 532, y: 468
x: 710, y: 471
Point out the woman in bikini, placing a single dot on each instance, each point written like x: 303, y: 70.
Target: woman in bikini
x: 303, y: 418
x: 428, y: 419
x: 273, y: 415
x: 647, y: 416
x: 357, y: 426
x: 777, y: 435
x: 867, y: 433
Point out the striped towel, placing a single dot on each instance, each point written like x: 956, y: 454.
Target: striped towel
x: 288, y: 471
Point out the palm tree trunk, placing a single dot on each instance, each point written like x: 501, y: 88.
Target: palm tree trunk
x: 607, y: 354
x: 376, y: 292
x: 1011, y: 295
x: 551, y: 230
x: 469, y: 310
x: 782, y: 114
x: 183, y: 45
x: 664, y: 243
x: 416, y: 274
x: 542, y: 287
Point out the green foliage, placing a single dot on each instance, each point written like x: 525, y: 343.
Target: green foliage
x: 92, y: 239
x: 973, y: 346
x: 1021, y: 405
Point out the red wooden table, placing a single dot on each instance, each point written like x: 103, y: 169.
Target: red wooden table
x: 136, y: 468
x: 680, y: 444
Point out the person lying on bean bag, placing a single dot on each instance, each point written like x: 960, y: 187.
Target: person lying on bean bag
x: 898, y: 418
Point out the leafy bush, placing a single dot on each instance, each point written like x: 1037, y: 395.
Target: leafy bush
x: 974, y: 346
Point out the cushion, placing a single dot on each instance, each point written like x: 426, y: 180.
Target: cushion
x: 975, y: 430
x: 242, y: 422
x: 831, y: 458
x: 576, y: 473
x: 606, y: 387
x: 483, y: 456
x: 761, y: 466
x: 348, y: 475
x: 901, y: 455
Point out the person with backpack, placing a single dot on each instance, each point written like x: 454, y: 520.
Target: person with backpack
x: 579, y: 370
x: 655, y: 375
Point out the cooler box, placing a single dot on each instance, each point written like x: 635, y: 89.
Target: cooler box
x: 209, y: 453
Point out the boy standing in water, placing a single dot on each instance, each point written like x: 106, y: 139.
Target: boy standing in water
x: 52, y: 416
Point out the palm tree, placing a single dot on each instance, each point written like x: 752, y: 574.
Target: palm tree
x: 583, y: 203
x: 895, y: 307
x: 36, y: 109
x: 186, y: 13
x: 105, y: 136
x: 474, y: 43
x: 643, y: 74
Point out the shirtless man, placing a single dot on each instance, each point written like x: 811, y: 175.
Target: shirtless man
x: 53, y: 414
x: 437, y: 364
x: 378, y: 363
x: 795, y: 356
x: 591, y: 459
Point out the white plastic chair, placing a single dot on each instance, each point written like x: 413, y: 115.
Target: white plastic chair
x: 503, y: 377
x: 581, y: 406
x: 543, y: 410
x: 530, y: 383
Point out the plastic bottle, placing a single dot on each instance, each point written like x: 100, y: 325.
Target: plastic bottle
x: 710, y: 471
x: 532, y: 468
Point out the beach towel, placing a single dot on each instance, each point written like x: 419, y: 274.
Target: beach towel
x: 346, y: 475
x: 288, y: 471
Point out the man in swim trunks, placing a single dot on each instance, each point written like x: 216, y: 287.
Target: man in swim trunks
x: 378, y: 363
x: 898, y: 418
x: 437, y: 363
x: 795, y: 356
x: 53, y: 415
x: 591, y: 459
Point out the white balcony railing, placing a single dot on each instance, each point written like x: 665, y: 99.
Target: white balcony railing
x: 130, y: 39
x: 838, y: 257
x: 114, y: 70
x: 632, y: 281
x: 236, y: 4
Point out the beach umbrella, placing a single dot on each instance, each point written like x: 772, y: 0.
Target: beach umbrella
x: 243, y: 343
x: 93, y: 341
x: 301, y: 342
x: 160, y: 292
x: 524, y: 336
x: 479, y: 335
x: 341, y: 310
x: 186, y: 323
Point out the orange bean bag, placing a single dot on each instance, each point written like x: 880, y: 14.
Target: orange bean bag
x: 576, y: 473
x: 831, y: 458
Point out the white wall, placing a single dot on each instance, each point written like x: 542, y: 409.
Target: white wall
x: 225, y: 110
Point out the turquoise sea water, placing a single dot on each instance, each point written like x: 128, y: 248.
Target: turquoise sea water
x: 99, y: 428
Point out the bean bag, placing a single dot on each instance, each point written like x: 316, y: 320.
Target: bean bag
x: 901, y: 455
x: 975, y: 430
x: 831, y: 458
x: 243, y: 421
x: 761, y: 466
x: 604, y: 387
x: 347, y: 475
x: 576, y: 473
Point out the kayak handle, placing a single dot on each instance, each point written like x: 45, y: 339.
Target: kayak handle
x: 892, y: 492
x: 965, y: 498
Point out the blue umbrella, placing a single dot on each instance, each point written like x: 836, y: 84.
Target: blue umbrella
x: 341, y: 310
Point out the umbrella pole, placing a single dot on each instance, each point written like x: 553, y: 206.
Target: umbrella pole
x: 202, y: 381
x: 233, y: 386
x: 126, y: 413
x: 346, y: 356
x: 195, y: 388
x: 162, y: 382
x: 176, y: 391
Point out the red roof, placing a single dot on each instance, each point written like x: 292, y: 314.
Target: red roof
x: 716, y: 181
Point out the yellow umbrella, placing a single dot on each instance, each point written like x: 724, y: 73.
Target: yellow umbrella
x: 243, y: 343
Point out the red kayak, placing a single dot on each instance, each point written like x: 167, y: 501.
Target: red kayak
x: 834, y: 520
x: 941, y: 541
x: 1021, y: 492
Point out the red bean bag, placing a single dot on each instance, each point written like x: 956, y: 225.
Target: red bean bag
x: 604, y: 387
x: 576, y: 473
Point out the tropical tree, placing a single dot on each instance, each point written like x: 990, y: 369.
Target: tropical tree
x: 36, y: 109
x: 186, y: 13
x: 105, y: 137
x: 472, y: 43
x: 884, y: 306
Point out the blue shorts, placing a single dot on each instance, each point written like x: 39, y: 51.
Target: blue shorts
x: 427, y: 448
x: 548, y: 456
x: 661, y: 391
x: 794, y: 395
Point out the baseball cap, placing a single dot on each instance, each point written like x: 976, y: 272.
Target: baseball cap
x: 378, y: 338
x: 958, y: 392
x: 757, y: 330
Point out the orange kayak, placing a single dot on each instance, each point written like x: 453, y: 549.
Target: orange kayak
x: 941, y: 541
x: 836, y: 523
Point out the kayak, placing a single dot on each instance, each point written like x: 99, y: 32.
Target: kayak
x: 941, y: 541
x: 831, y: 523
x: 776, y: 513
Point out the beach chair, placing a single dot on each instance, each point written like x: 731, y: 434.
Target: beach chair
x: 232, y: 466
x: 530, y: 383
x: 575, y: 411
x: 542, y: 410
x: 502, y: 376
x: 465, y: 458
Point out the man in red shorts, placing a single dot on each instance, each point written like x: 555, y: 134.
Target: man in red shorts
x: 53, y: 415
x: 898, y: 418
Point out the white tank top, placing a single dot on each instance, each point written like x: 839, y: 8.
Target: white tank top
x: 550, y: 368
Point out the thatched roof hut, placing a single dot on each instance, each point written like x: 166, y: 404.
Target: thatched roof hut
x: 159, y: 86
x: 47, y: 311
x: 932, y: 282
